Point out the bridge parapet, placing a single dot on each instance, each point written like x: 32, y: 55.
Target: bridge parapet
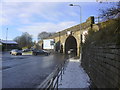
x: 75, y: 28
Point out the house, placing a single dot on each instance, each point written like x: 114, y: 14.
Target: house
x: 8, y: 44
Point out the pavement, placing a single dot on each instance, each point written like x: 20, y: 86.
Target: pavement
x: 74, y: 76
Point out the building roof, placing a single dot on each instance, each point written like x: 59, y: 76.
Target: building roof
x: 8, y: 42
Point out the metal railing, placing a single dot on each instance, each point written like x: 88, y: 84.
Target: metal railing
x: 52, y: 81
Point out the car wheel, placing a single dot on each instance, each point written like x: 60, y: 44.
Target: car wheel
x: 46, y: 54
x: 35, y: 54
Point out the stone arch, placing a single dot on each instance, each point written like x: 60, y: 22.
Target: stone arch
x: 71, y: 45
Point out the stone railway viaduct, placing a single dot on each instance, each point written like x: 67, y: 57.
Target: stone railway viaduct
x: 71, y: 38
x: 101, y: 62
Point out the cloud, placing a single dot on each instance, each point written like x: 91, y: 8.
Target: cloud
x: 51, y: 0
x: 20, y: 11
x: 35, y: 17
x: 48, y: 27
x: 27, y: 12
x: 4, y: 21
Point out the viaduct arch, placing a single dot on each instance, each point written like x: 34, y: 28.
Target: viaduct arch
x: 64, y: 41
x: 71, y: 45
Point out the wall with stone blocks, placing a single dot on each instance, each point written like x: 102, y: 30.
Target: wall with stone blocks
x: 102, y: 63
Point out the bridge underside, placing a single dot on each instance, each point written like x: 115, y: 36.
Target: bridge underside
x: 71, y: 45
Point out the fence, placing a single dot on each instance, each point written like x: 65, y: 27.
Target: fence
x: 52, y: 81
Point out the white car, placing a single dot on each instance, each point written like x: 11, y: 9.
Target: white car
x: 16, y: 52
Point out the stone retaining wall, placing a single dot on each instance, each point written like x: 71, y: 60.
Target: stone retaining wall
x: 102, y: 63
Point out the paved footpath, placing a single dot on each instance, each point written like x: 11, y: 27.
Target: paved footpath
x: 74, y: 76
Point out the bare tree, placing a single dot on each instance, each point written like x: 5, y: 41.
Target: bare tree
x: 25, y: 40
x: 111, y: 12
x: 44, y: 35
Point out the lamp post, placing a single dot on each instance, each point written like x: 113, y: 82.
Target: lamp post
x: 6, y: 38
x: 80, y: 24
x: 80, y: 13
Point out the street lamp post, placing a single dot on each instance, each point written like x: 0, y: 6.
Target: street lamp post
x: 6, y: 38
x: 80, y: 13
x: 80, y: 24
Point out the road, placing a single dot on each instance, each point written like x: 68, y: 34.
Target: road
x: 27, y: 71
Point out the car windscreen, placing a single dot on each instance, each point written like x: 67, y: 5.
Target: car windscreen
x: 15, y: 50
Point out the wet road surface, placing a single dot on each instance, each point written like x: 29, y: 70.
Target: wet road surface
x: 27, y: 71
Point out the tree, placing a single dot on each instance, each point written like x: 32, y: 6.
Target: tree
x: 111, y: 12
x: 44, y: 35
x: 25, y: 40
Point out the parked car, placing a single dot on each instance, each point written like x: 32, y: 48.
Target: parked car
x: 26, y: 50
x: 41, y: 52
x: 16, y: 52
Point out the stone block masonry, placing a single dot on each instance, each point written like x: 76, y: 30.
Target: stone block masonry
x: 102, y: 63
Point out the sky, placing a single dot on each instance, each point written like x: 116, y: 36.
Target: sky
x: 37, y: 16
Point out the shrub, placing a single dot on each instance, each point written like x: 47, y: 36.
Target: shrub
x: 109, y: 33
